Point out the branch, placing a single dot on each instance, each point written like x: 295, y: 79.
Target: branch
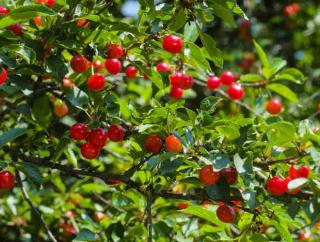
x: 34, y: 209
x: 150, y: 194
x: 288, y: 160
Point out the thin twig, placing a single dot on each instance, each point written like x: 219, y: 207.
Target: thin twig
x: 34, y: 209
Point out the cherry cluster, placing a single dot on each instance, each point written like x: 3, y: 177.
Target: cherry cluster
x: 96, y: 138
x: 153, y: 144
x: 278, y: 186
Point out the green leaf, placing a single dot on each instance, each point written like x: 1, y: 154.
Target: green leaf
x: 281, y: 133
x: 262, y: 55
x: 57, y: 67
x: 197, y: 59
x: 219, y: 191
x: 31, y: 171
x: 297, y: 183
x: 11, y: 135
x: 242, y: 165
x: 284, y: 91
x: 181, y: 18
x: 295, y: 75
x: 156, y: 78
x: 42, y: 111
x: 251, y: 78
x: 250, y: 198
x: 190, y: 32
x: 24, y: 13
x: 209, y: 104
x: 86, y: 235
x: 220, y: 9
x: 77, y: 97
x: 228, y: 131
x: 219, y: 160
x: 283, y: 231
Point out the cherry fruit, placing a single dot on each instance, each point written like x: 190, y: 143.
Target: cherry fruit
x: 277, y: 186
x: 208, y: 176
x: 173, y: 144
x: 230, y: 174
x: 235, y: 91
x: 96, y: 82
x: 226, y: 213
x: 274, y: 106
x: 114, y: 51
x: 98, y: 137
x: 153, y: 143
x: 113, y: 66
x: 116, y: 133
x: 131, y: 72
x: 213, y: 82
x: 79, y: 63
x: 7, y: 180
x: 79, y: 131
x: 172, y: 44
x: 89, y: 150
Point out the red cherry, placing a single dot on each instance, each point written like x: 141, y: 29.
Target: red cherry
x: 113, y: 66
x: 7, y: 180
x: 235, y: 91
x: 213, y: 82
x: 175, y: 77
x: 114, y: 51
x: 50, y: 3
x: 98, y: 137
x: 163, y: 67
x: 185, y: 82
x: 16, y: 29
x: 304, y: 236
x: 69, y: 229
x: 71, y: 213
x: 230, y: 174
x: 79, y: 131
x: 131, y: 72
x: 226, y: 213
x: 274, y: 106
x: 96, y: 82
x: 145, y: 76
x: 183, y: 205
x: 176, y: 92
x: 277, y: 186
x: 89, y: 151
x: 302, y: 172
x: 67, y: 82
x: 61, y: 109
x: 172, y: 44
x: 153, y: 143
x: 79, y: 63
x: 37, y: 21
x: 173, y: 144
x: 116, y: 133
x: 227, y: 78
x: 4, y: 10
x: 244, y: 25
x: 3, y: 76
x: 97, y: 65
x: 205, y: 203
x: 208, y: 176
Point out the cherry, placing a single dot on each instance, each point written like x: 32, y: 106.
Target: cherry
x: 75, y: 199
x: 163, y: 67
x: 213, y: 82
x: 79, y: 131
x: 274, y: 106
x: 208, y: 176
x: 172, y: 44
x: 98, y: 137
x: 96, y: 82
x: 291, y: 9
x: 183, y: 205
x: 175, y: 77
x: 230, y: 174
x: 303, y: 171
x: 89, y: 151
x: 61, y: 109
x: 79, y: 63
x: 205, y: 203
x: 49, y: 3
x: 145, y: 76
x: 131, y: 72
x: 37, y: 21
x: 16, y: 29
x: 153, y: 143
x: 82, y: 23
x: 113, y: 66
x: 97, y: 65
x: 226, y: 213
x: 277, y: 186
x: 227, y: 78
x: 71, y: 213
x: 4, y: 10
x: 116, y: 133
x: 3, y: 76
x: 235, y: 91
x: 69, y: 229
x: 114, y: 51
x: 7, y: 180
x: 176, y: 92
x: 67, y: 82
x: 185, y: 82
x: 304, y: 236
x: 173, y: 144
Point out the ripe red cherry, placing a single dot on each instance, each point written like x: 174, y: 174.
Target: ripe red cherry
x: 227, y: 78
x: 89, y: 151
x: 131, y: 72
x: 183, y: 205
x: 96, y: 82
x: 235, y: 91
x: 185, y: 82
x: 114, y: 51
x: 230, y: 174
x: 173, y: 144
x: 97, y: 65
x: 274, y: 106
x: 226, y: 214
x: 175, y: 77
x: 61, y: 109
x: 116, y: 133
x: 172, y: 44
x: 176, y: 92
x: 69, y: 229
x: 16, y: 29
x: 37, y: 20
x: 113, y: 66
x: 303, y: 171
x: 98, y: 137
x: 7, y: 180
x: 3, y: 76
x: 304, y: 236
x: 277, y: 186
x: 50, y: 3
x: 208, y: 176
x: 4, y: 10
x: 213, y: 82
x: 79, y: 131
x: 153, y: 143
x: 67, y: 82
x: 163, y: 67
x: 79, y: 63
